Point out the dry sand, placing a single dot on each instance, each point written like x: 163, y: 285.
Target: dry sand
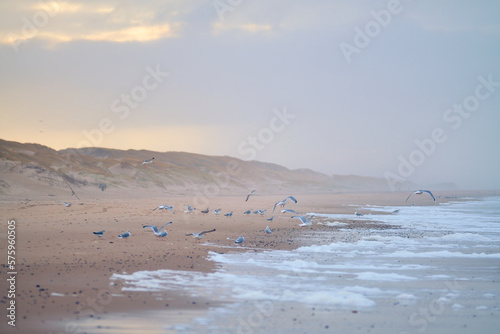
x: 63, y: 269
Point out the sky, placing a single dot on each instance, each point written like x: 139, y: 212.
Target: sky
x: 402, y: 90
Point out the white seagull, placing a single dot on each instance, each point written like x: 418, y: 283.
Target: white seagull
x: 217, y: 211
x: 189, y: 209
x: 268, y: 230
x: 289, y: 211
x: 149, y: 161
x: 67, y: 204
x: 420, y: 192
x: 165, y: 207
x: 304, y: 220
x: 240, y: 240
x: 250, y: 194
x: 99, y: 233
x: 200, y: 235
x: 158, y: 232
x: 283, y: 202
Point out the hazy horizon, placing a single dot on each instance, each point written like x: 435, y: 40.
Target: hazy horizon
x: 402, y: 90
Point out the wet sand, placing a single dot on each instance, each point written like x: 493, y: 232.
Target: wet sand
x: 63, y: 269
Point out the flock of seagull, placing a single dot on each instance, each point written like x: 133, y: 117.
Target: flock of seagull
x: 161, y: 232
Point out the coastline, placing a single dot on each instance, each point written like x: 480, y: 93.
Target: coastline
x: 64, y: 270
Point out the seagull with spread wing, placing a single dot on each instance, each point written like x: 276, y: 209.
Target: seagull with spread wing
x: 420, y: 192
x: 158, y: 231
x: 200, y: 235
x: 283, y: 202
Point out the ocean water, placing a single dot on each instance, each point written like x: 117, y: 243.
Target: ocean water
x: 437, y: 270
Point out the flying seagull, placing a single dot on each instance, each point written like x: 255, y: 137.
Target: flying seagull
x: 240, y: 240
x: 283, y: 202
x: 67, y: 204
x: 289, y: 211
x: 200, y: 235
x: 250, y: 194
x: 420, y: 192
x: 165, y: 207
x: 99, y: 233
x: 189, y: 209
x: 304, y: 220
x: 158, y: 232
x: 125, y: 235
x: 149, y: 161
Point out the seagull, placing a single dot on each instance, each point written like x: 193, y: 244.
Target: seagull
x: 205, y: 211
x: 247, y: 212
x: 268, y: 230
x: 149, y: 161
x: 189, y: 209
x: 99, y: 233
x: 200, y: 235
x: 395, y: 211
x: 289, y: 211
x: 217, y: 211
x: 283, y: 202
x: 270, y: 219
x: 304, y: 220
x: 250, y: 194
x: 358, y: 214
x: 125, y: 235
x: 166, y: 207
x: 67, y: 204
x: 420, y: 192
x: 229, y: 214
x: 240, y: 240
x: 262, y: 212
x: 158, y: 232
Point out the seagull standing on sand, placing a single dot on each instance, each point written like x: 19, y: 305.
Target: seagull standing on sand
x: 283, y: 202
x: 304, y: 220
x: 240, y: 240
x: 125, y: 235
x: 158, y: 232
x: 247, y: 212
x: 217, y: 211
x: 229, y: 214
x: 250, y: 194
x: 200, y: 235
x: 99, y: 233
x: 420, y: 192
x: 270, y: 219
x: 268, y: 230
x: 358, y: 214
x: 205, y: 211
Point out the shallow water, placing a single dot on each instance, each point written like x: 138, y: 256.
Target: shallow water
x: 437, y: 271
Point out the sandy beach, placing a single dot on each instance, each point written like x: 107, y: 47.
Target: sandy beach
x: 64, y: 270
